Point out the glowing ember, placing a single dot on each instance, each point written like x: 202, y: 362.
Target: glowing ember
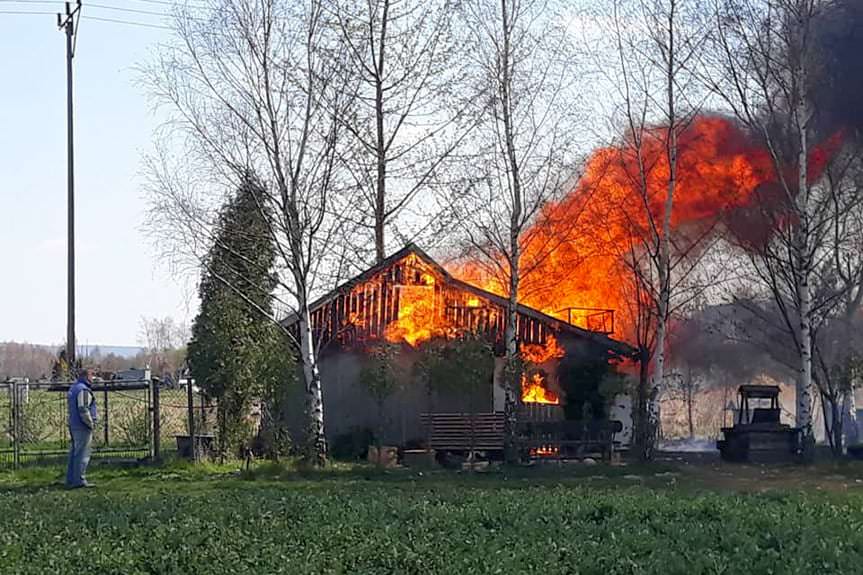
x: 533, y: 390
x: 473, y: 302
x: 545, y: 451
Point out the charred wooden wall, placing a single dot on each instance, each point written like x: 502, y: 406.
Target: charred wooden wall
x: 361, y: 311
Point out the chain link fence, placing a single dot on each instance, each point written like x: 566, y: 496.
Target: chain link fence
x: 7, y: 448
x: 138, y: 420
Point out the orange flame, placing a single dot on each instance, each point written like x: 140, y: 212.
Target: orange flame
x: 416, y: 318
x: 537, y: 354
x: 579, y: 250
x: 533, y: 390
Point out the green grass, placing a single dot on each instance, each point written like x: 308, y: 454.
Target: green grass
x: 354, y: 519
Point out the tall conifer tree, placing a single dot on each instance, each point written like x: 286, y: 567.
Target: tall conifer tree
x: 235, y: 348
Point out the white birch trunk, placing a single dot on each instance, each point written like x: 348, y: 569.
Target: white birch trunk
x: 512, y: 370
x: 803, y: 416
x: 512, y: 398
x: 316, y: 443
x: 664, y: 264
x: 849, y: 414
x: 802, y: 241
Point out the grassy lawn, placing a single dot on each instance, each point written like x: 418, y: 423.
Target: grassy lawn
x: 668, y: 518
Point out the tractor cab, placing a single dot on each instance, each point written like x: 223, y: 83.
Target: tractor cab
x: 758, y: 435
x: 758, y: 405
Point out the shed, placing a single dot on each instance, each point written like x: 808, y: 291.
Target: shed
x: 408, y: 298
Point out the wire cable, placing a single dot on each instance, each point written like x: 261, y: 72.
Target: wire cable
x: 131, y: 10
x: 179, y: 3
x: 129, y: 22
x: 27, y: 13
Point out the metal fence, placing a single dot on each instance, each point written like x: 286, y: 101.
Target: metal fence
x: 138, y: 420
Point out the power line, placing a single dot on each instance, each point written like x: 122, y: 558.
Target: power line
x: 91, y: 5
x: 132, y: 10
x: 136, y: 11
x: 178, y: 4
x: 117, y: 8
x: 87, y: 17
x: 172, y: 4
x: 129, y: 22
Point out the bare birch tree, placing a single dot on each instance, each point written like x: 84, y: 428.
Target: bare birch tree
x: 837, y: 342
x: 258, y: 89
x: 522, y: 151
x: 658, y: 46
x: 767, y: 70
x: 404, y: 123
x: 165, y: 342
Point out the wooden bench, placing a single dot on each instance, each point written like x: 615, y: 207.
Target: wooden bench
x: 484, y: 432
x: 464, y: 431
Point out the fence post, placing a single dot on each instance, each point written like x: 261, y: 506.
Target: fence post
x: 16, y: 427
x: 190, y: 404
x: 157, y: 431
x: 105, y: 415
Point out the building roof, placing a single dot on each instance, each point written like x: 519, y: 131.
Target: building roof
x: 602, y: 339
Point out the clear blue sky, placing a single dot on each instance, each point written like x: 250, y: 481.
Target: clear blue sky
x: 119, y: 279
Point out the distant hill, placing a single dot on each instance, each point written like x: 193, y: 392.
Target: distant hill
x: 125, y: 351
x: 35, y: 360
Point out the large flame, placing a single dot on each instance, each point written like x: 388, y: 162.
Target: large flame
x: 534, y: 386
x: 416, y: 318
x: 537, y: 354
x: 576, y: 254
x: 534, y: 390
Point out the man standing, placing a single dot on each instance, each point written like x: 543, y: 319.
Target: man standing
x: 82, y: 421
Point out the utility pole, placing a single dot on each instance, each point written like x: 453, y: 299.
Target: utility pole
x: 70, y: 24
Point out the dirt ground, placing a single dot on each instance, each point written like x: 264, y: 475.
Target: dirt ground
x: 706, y: 470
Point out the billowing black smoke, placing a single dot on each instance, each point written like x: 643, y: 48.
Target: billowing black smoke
x: 838, y: 94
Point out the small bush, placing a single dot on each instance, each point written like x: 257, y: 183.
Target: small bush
x: 352, y: 445
x: 133, y: 423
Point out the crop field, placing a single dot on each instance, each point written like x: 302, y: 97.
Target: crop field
x: 210, y: 519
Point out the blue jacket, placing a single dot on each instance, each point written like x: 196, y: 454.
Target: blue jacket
x: 76, y: 421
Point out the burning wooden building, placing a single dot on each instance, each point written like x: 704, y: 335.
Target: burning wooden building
x: 409, y: 299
